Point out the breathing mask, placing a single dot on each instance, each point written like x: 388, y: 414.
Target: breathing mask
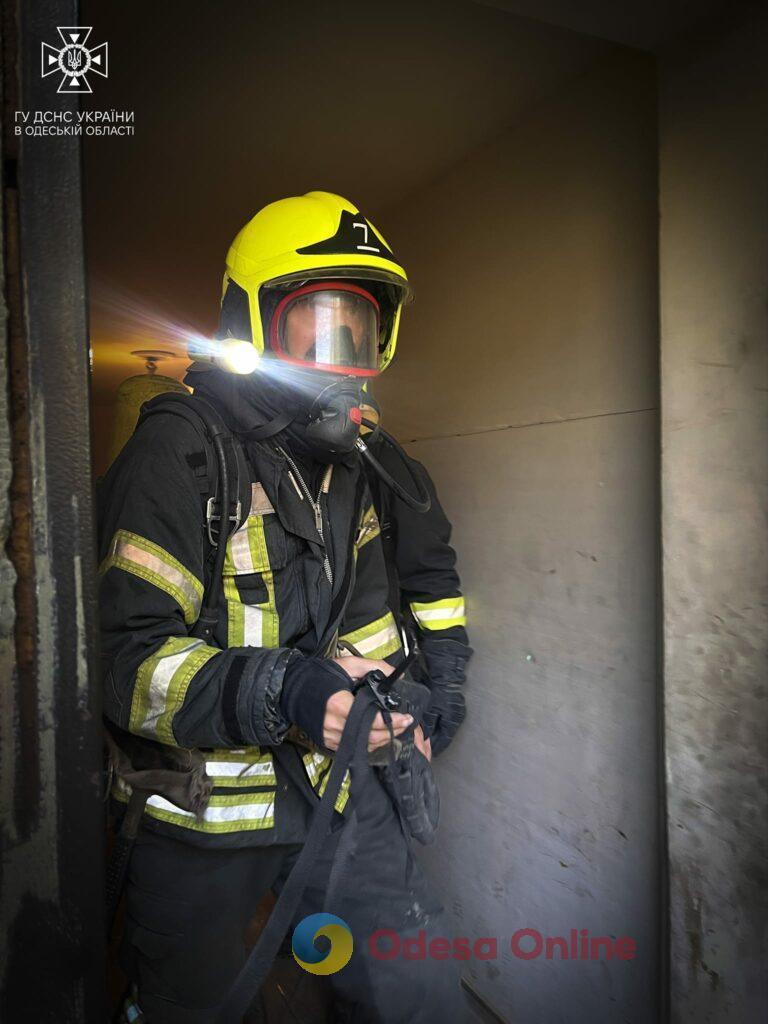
x: 334, y: 418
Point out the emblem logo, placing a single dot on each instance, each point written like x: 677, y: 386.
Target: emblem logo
x: 354, y: 234
x: 338, y: 951
x: 74, y: 61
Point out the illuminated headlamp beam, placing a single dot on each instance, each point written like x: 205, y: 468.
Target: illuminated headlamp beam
x: 230, y: 354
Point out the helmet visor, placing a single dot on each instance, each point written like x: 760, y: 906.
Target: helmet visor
x: 328, y: 325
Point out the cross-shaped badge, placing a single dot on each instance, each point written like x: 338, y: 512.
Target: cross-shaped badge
x: 74, y: 61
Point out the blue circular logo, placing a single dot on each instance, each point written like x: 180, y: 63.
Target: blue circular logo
x: 306, y: 953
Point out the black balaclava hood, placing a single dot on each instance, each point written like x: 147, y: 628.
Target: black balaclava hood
x: 324, y: 408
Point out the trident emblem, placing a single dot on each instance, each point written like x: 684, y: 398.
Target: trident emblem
x: 74, y: 61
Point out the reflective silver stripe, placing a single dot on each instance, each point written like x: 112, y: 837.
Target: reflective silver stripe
x: 441, y: 614
x: 240, y: 550
x: 247, y: 547
x: 341, y: 799
x: 260, y: 503
x: 314, y: 764
x: 121, y: 786
x: 230, y: 812
x: 377, y: 639
x: 253, y: 811
x: 386, y: 636
x: 144, y: 558
x: 253, y: 625
x: 162, y: 674
x: 161, y: 685
x: 369, y: 528
x: 240, y: 769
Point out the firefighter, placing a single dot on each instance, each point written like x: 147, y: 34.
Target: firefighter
x: 316, y: 292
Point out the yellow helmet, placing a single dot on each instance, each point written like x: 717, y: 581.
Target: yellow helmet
x: 321, y: 249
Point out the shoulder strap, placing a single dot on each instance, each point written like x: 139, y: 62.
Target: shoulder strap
x: 227, y: 490
x: 206, y: 420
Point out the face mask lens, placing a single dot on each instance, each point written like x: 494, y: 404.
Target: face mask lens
x: 329, y: 328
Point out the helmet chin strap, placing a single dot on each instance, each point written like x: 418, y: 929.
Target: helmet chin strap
x: 267, y: 430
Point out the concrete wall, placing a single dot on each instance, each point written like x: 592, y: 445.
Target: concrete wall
x: 527, y: 370
x: 714, y: 268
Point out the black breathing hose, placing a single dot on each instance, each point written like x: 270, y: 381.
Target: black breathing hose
x: 423, y: 502
x: 209, y: 613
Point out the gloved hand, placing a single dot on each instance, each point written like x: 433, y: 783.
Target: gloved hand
x: 305, y: 700
x: 447, y: 710
x: 445, y: 661
x: 308, y: 683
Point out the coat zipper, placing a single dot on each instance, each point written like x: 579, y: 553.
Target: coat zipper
x: 317, y: 508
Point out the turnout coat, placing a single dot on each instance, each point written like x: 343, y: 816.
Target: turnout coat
x: 304, y: 574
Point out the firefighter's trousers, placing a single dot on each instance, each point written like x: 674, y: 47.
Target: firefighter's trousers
x: 188, y: 909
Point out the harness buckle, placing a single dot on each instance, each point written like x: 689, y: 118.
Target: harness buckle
x: 211, y: 517
x: 381, y: 686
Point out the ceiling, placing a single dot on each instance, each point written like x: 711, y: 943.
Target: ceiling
x: 241, y: 103
x: 644, y: 24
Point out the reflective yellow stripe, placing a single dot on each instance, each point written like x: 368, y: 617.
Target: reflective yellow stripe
x: 224, y: 813
x: 341, y: 799
x: 442, y: 614
x: 247, y: 547
x: 315, y: 764
x: 246, y: 622
x: 378, y: 639
x: 235, y: 812
x: 143, y: 558
x: 317, y: 768
x: 369, y: 528
x: 235, y: 613
x: 161, y: 686
x: 270, y: 626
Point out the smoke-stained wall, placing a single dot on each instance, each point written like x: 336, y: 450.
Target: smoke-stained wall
x: 714, y: 274
x: 527, y: 371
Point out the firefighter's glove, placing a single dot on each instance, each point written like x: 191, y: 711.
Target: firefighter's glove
x: 307, y: 685
x: 445, y: 663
